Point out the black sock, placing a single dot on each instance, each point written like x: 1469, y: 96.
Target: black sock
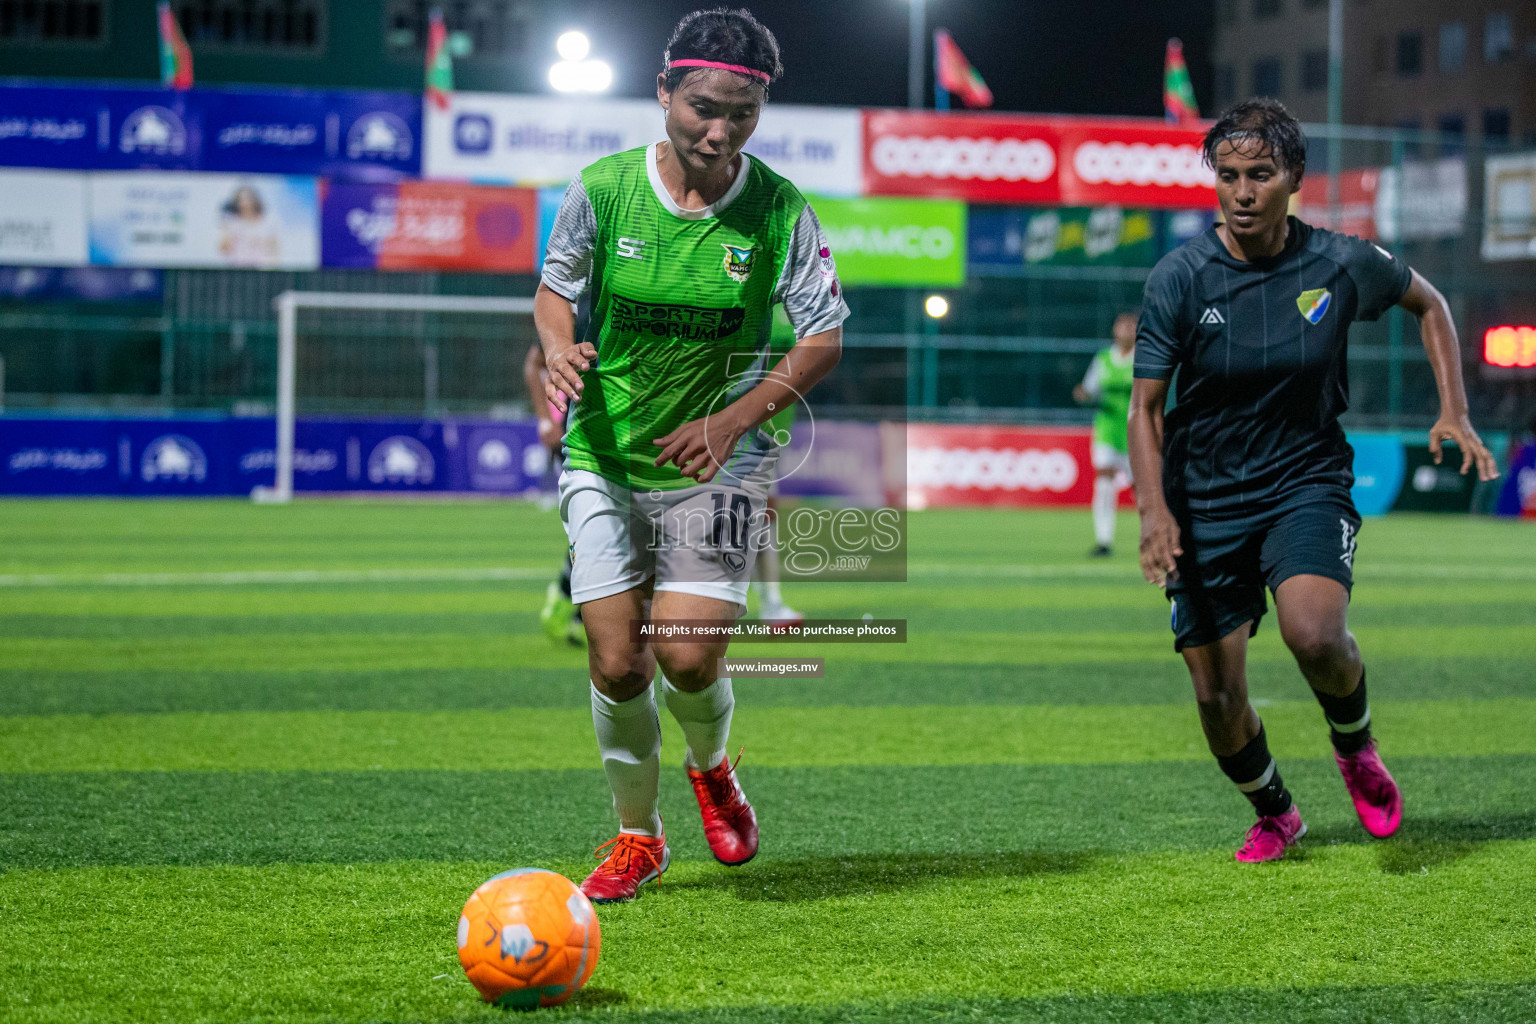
x: 1349, y: 719
x: 1254, y: 772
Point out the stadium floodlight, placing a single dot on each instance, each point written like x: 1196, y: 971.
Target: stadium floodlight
x: 936, y: 306
x: 288, y: 305
x: 574, y: 72
x: 573, y: 46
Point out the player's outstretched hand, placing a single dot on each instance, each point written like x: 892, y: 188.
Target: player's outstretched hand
x: 563, y: 383
x: 700, y: 447
x: 1459, y: 429
x: 1159, y: 547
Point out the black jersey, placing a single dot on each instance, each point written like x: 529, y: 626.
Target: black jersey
x: 1262, y: 366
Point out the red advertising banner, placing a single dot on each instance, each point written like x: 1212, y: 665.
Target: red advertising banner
x: 428, y: 225
x: 1010, y: 158
x: 1357, y: 201
x: 958, y: 465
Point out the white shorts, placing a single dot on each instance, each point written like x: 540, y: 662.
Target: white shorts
x: 1107, y: 456
x: 700, y: 540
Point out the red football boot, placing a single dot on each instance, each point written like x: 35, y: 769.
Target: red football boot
x: 631, y: 862
x: 729, y: 824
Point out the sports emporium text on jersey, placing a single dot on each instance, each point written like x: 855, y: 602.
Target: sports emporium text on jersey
x: 687, y: 323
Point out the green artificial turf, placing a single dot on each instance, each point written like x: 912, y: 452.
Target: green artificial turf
x: 253, y: 759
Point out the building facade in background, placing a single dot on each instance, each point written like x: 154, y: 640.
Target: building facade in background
x: 358, y: 43
x: 1465, y: 68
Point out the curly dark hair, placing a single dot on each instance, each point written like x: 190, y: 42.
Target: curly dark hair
x: 724, y: 34
x: 1261, y: 124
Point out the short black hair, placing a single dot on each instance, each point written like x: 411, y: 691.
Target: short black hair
x: 724, y: 34
x: 1263, y: 121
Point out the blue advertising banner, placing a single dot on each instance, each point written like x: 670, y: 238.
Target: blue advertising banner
x: 352, y: 135
x: 357, y: 136
x: 81, y: 284
x: 1379, y: 470
x: 228, y: 456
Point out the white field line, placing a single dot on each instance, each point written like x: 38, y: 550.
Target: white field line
x: 924, y: 570
x: 240, y: 579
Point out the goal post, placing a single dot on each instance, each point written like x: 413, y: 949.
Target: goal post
x: 289, y: 303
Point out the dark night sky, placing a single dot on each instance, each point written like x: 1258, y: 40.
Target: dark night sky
x: 1085, y: 56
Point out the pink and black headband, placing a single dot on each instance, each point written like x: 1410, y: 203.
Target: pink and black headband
x: 740, y: 69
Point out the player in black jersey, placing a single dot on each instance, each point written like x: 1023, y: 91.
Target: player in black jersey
x: 1245, y: 484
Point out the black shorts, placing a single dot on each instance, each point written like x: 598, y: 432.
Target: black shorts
x: 1228, y: 563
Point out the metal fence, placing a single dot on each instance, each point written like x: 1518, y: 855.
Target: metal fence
x: 1012, y: 347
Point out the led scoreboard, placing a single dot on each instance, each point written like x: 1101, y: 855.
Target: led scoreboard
x: 1510, y: 348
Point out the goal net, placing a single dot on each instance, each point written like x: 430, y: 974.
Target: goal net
x: 352, y: 354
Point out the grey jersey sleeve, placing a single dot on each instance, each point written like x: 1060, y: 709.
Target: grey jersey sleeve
x: 568, y: 261
x: 1380, y: 278
x: 1159, y: 344
x: 808, y: 287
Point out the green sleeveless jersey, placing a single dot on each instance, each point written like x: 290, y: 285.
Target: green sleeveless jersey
x: 1109, y: 379
x: 681, y: 306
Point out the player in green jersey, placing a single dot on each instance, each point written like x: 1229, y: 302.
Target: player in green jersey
x: 686, y: 246
x: 1108, y: 385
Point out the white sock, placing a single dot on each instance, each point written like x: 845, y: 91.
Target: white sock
x: 629, y: 736
x: 1105, y: 497
x: 705, y: 717
x: 768, y: 571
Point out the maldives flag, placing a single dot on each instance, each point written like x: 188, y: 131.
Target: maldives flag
x: 175, y: 54
x: 1178, y: 92
x: 955, y: 73
x: 439, y: 62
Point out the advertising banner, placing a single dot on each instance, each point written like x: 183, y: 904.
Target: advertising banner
x: 1380, y: 466
x: 1003, y: 237
x: 1358, y: 193
x: 820, y: 149
x: 1509, y: 215
x: 531, y: 140
x: 962, y: 465
x: 1035, y: 160
x: 357, y: 136
x: 430, y: 226
x: 1428, y: 197
x: 42, y: 219
x: 141, y: 219
x: 896, y: 242
x: 343, y: 134
x: 82, y: 284
x: 214, y: 455
x: 1518, y: 495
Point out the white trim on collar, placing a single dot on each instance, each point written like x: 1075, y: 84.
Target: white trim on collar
x: 713, y: 209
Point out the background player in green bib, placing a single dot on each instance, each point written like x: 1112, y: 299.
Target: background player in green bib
x: 1107, y: 384
x: 686, y: 246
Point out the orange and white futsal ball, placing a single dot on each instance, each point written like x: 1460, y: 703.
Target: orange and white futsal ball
x: 528, y: 938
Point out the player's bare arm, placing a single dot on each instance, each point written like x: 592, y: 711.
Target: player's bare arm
x: 565, y: 359
x: 1438, y: 330
x: 1159, y: 531
x: 700, y: 447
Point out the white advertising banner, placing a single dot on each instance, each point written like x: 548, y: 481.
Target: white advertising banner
x: 501, y: 139
x: 153, y: 219
x: 820, y: 149
x: 1431, y: 197
x: 1509, y: 219
x: 495, y: 138
x: 42, y: 219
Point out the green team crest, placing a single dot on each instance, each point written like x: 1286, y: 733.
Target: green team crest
x: 1314, y: 303
x: 739, y: 261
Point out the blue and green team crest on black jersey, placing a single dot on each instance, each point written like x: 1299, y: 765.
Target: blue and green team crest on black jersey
x: 681, y: 316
